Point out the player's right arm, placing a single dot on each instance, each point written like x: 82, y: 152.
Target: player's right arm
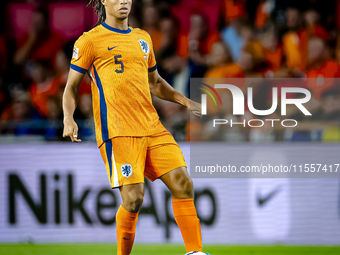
x: 82, y: 59
x: 70, y: 99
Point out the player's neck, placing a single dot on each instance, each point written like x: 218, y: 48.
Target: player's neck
x: 116, y: 23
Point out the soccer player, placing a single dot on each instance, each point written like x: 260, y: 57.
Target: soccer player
x: 132, y: 141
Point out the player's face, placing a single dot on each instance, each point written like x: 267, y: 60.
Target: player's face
x: 118, y: 8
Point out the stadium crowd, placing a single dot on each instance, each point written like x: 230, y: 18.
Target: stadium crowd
x: 192, y: 38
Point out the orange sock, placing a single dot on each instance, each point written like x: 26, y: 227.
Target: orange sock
x: 187, y: 221
x: 126, y: 230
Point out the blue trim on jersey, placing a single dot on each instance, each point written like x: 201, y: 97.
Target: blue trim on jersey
x: 103, y: 108
x: 152, y: 69
x: 127, y: 31
x: 78, y: 69
x: 108, y: 147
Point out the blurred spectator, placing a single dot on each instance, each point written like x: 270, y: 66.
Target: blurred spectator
x: 150, y: 25
x: 291, y: 40
x: 168, y: 62
x: 20, y: 109
x: 197, y: 45
x: 219, y: 56
x: 199, y: 41
x: 44, y: 85
x: 317, y: 60
x: 273, y: 52
x: 168, y: 39
x: 320, y: 68
x: 218, y: 60
x: 62, y: 62
x: 41, y: 42
x: 231, y: 35
x: 253, y: 46
x: 313, y: 27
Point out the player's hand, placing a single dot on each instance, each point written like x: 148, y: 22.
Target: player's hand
x: 195, y: 108
x: 71, y: 130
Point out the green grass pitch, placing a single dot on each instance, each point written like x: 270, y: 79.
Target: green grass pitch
x: 107, y: 249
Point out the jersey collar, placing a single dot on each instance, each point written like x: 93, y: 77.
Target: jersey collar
x: 127, y: 31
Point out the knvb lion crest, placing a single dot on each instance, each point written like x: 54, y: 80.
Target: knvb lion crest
x: 145, y: 46
x: 126, y: 170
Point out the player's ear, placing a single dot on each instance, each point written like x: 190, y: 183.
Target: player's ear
x: 104, y: 2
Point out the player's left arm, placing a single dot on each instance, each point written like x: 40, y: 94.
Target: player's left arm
x: 160, y: 88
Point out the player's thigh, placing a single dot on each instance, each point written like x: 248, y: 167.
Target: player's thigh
x: 163, y: 156
x: 124, y: 158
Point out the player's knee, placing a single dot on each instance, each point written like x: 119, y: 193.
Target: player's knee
x: 134, y: 202
x: 186, y: 188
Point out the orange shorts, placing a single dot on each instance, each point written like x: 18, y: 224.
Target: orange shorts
x: 128, y: 159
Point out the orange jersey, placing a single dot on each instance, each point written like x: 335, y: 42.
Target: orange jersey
x: 291, y: 47
x: 274, y: 58
x: 118, y: 62
x: 40, y: 95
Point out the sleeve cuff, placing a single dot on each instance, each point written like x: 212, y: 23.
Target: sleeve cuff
x: 78, y: 69
x: 152, y: 69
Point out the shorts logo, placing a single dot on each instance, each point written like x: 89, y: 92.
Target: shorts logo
x: 75, y: 52
x: 145, y: 46
x: 126, y: 170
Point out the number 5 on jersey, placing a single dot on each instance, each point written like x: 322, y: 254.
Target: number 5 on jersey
x: 117, y: 61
